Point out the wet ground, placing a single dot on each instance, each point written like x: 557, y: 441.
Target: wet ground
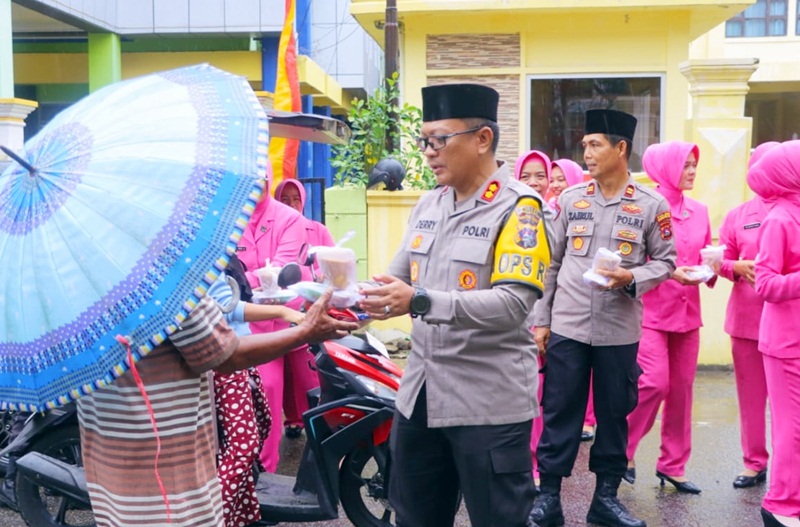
x: 716, y: 460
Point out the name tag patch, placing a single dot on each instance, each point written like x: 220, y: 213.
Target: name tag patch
x: 752, y: 226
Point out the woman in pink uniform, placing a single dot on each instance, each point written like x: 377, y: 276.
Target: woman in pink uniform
x: 671, y: 324
x: 299, y: 375
x: 776, y: 176
x: 563, y: 174
x: 275, y: 232
x: 739, y: 233
x: 533, y: 169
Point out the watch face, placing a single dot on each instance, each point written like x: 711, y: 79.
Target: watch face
x: 420, y: 303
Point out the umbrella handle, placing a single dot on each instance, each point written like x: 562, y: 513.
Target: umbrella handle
x: 10, y: 153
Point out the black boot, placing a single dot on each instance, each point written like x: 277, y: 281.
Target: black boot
x: 606, y: 509
x: 547, y: 510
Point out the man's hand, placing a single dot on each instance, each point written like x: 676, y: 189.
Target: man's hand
x: 746, y: 270
x: 619, y: 277
x: 391, y: 298
x: 541, y: 336
x: 682, y: 278
x: 320, y: 326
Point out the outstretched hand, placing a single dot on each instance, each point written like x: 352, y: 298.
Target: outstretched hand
x: 321, y: 326
x: 390, y: 298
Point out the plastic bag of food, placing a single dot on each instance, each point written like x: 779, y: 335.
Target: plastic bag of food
x: 604, y: 260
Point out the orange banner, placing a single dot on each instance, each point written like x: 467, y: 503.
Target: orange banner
x: 283, y: 152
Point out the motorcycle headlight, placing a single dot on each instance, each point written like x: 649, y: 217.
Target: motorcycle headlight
x: 377, y: 388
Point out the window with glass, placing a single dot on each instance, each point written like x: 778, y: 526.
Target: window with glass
x: 797, y: 21
x: 558, y: 106
x: 765, y: 18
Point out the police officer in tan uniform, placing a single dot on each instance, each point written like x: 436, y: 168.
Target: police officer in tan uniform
x: 587, y: 330
x: 469, y: 270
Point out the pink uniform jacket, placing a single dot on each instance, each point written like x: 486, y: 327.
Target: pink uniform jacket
x: 276, y: 232
x: 778, y: 283
x: 672, y: 306
x: 739, y: 233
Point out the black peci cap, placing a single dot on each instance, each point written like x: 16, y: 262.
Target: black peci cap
x: 459, y: 101
x: 610, y: 122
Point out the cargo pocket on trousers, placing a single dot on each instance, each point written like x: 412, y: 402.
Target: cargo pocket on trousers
x: 633, y: 387
x: 511, y: 487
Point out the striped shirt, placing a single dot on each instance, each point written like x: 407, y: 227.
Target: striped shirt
x: 119, y: 444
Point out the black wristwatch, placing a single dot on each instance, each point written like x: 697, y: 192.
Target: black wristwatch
x: 420, y: 303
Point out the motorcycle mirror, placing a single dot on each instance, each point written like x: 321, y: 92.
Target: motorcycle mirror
x: 289, y: 274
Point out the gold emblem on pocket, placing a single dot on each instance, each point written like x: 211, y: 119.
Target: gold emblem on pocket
x: 416, y: 242
x: 625, y: 248
x: 467, y: 279
x: 577, y: 243
x: 414, y: 271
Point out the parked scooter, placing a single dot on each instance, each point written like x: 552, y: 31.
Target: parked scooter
x: 54, y: 433
x: 346, y: 454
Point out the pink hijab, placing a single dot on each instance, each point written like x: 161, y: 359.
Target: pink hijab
x: 664, y: 163
x: 573, y: 172
x: 776, y: 176
x: 529, y: 156
x: 757, y: 154
x: 299, y: 186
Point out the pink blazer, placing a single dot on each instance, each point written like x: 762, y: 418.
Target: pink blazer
x: 277, y: 233
x: 672, y: 306
x: 739, y: 233
x: 778, y: 283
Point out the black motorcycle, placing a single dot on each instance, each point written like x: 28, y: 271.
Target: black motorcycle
x: 55, y: 434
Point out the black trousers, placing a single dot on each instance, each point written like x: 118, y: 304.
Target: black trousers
x: 615, y: 376
x: 490, y: 464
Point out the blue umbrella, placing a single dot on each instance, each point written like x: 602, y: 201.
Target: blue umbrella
x: 114, y: 220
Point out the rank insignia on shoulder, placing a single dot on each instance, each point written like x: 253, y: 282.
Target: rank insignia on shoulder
x: 467, y: 279
x: 416, y: 242
x: 625, y: 248
x: 632, y: 208
x: 491, y: 191
x: 630, y: 190
x: 582, y: 204
x: 414, y: 270
x: 590, y: 189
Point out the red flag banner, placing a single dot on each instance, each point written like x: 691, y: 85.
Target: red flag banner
x: 283, y: 152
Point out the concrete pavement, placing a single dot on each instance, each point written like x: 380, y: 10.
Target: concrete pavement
x: 716, y: 460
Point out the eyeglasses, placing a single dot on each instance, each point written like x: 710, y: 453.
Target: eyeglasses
x: 437, y: 142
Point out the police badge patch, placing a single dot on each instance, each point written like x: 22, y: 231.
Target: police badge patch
x: 528, y: 218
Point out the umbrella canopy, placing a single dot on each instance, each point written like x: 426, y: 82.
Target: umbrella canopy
x: 130, y: 204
